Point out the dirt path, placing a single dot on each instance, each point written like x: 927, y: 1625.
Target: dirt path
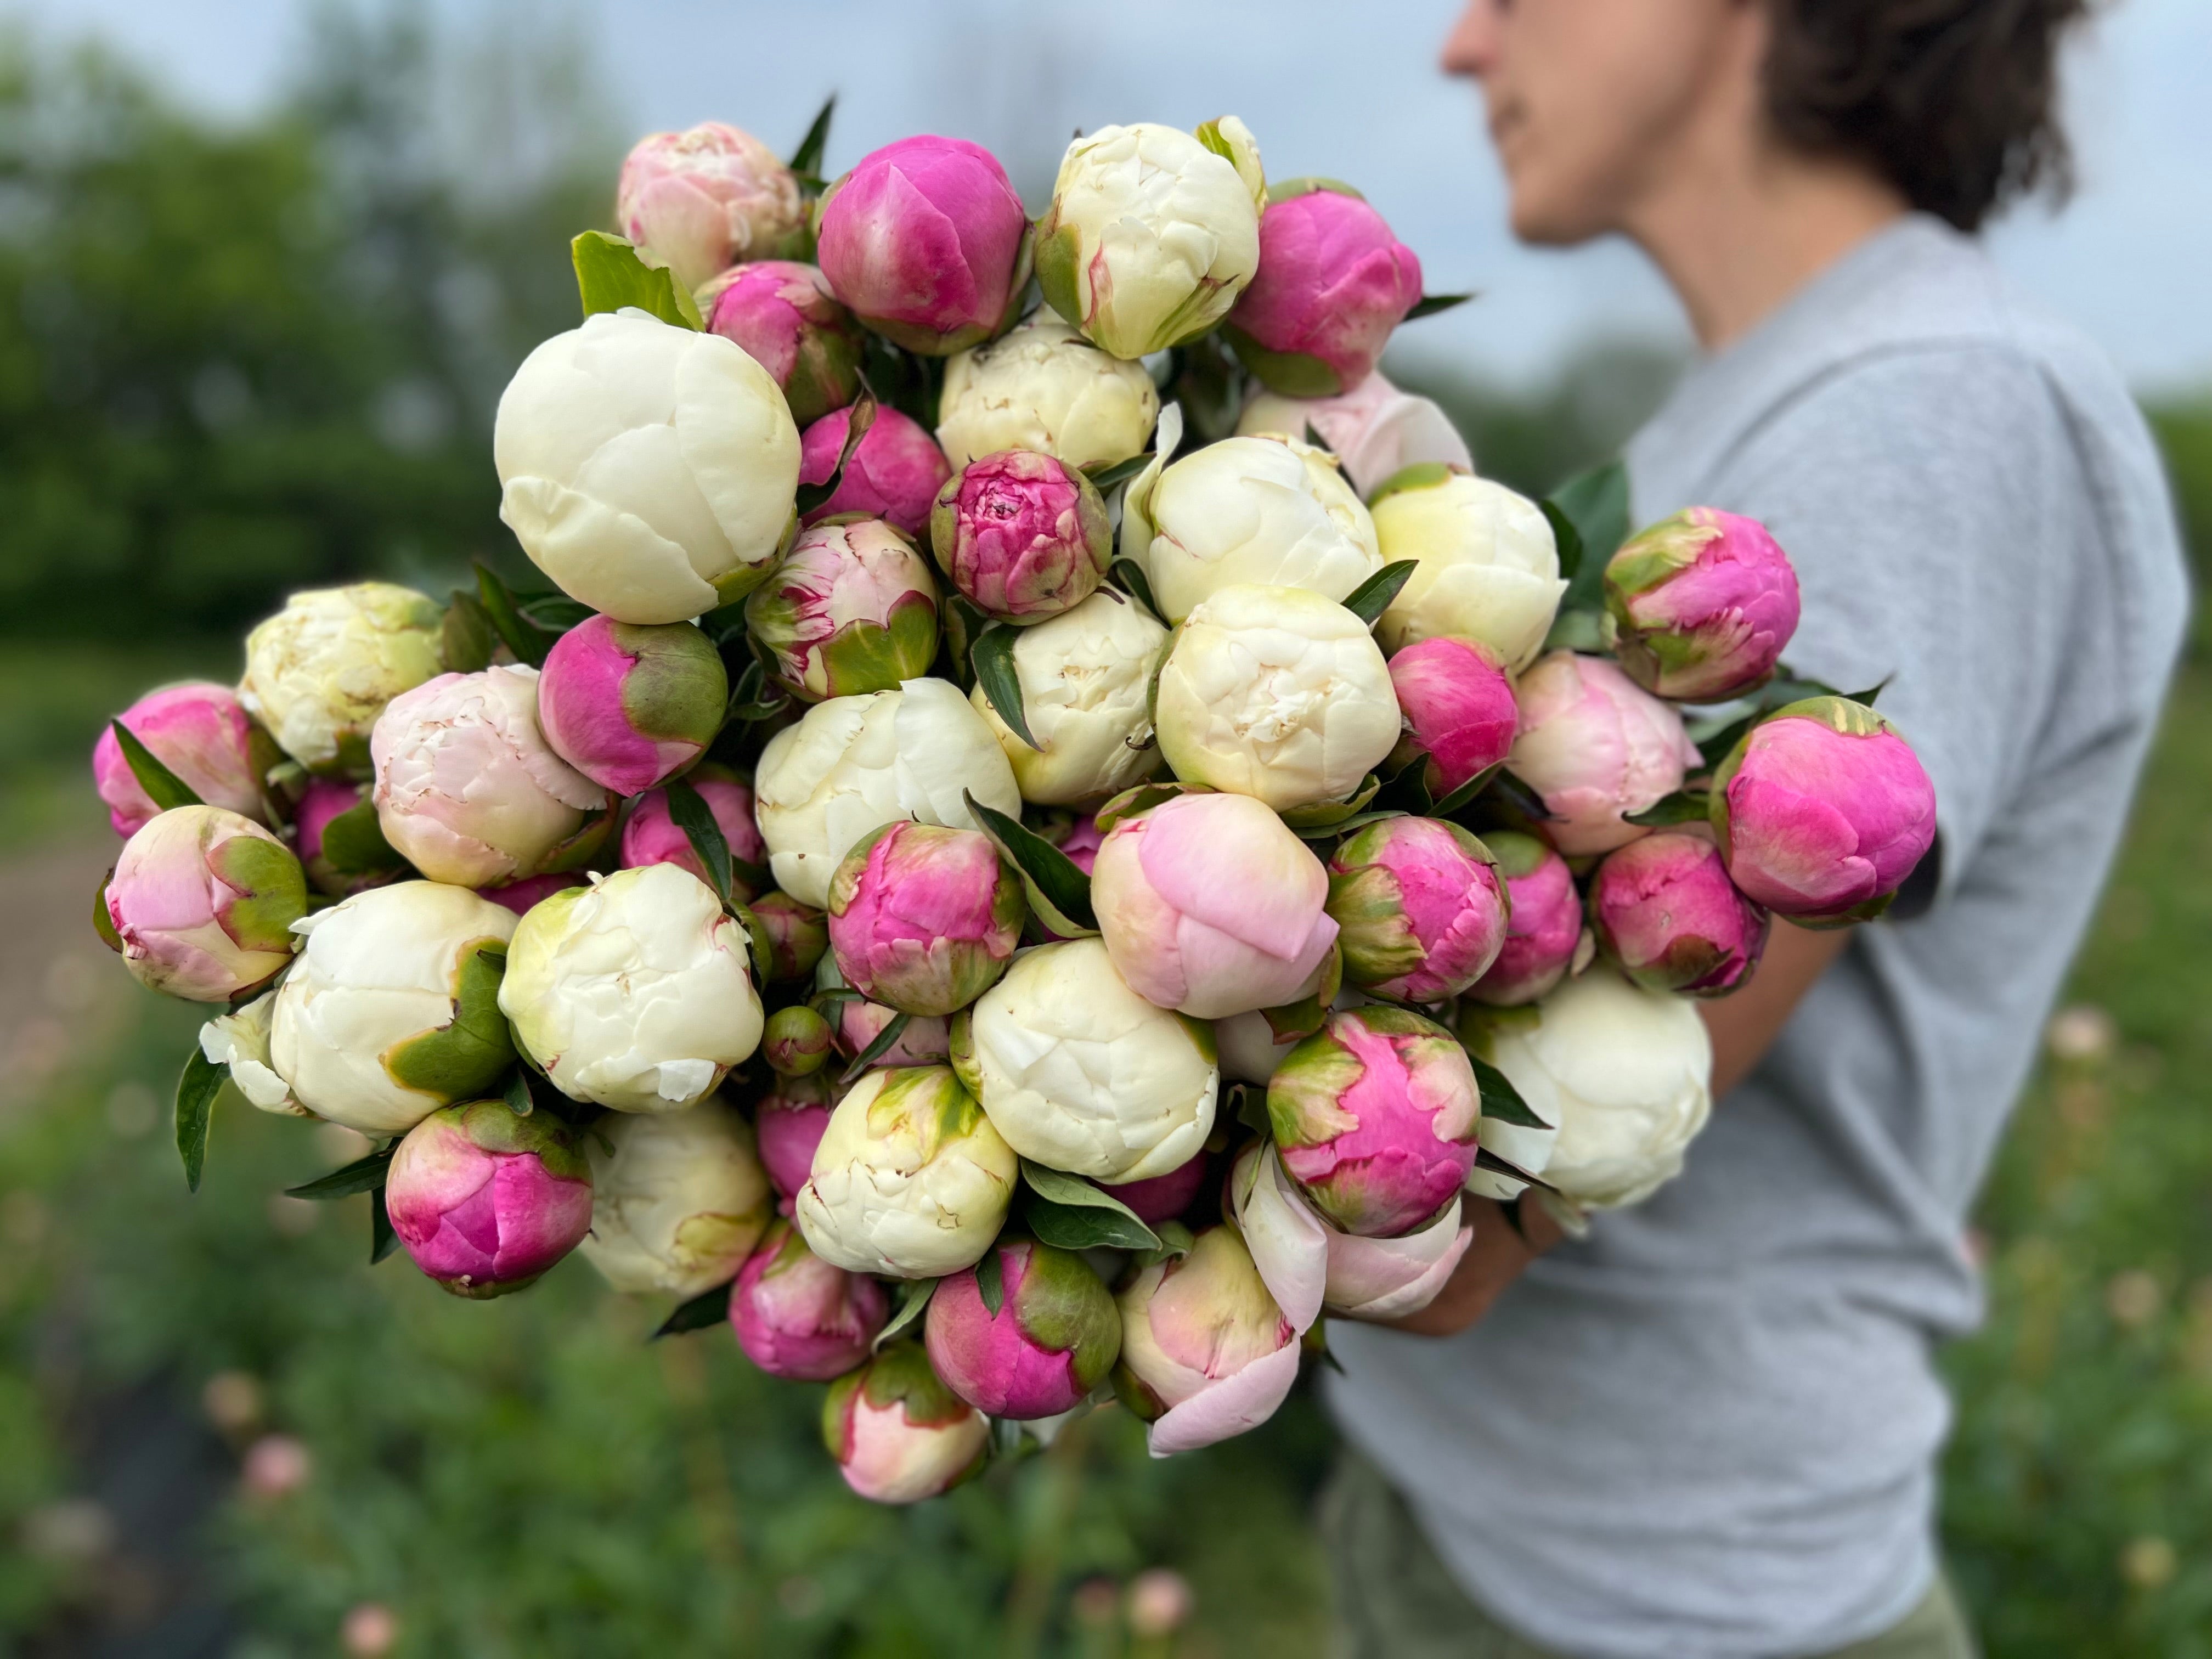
x: 60, y: 987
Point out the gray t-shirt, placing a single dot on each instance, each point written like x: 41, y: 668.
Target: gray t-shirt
x: 1709, y: 1430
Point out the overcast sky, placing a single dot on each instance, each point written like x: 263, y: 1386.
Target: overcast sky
x: 1360, y: 99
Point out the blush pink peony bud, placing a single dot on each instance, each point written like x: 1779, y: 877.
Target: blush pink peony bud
x: 852, y: 608
x: 897, y: 1433
x: 798, y: 934
x: 921, y: 1041
x: 894, y: 472
x: 651, y: 836
x: 698, y: 202
x: 928, y: 244
x: 1022, y: 535
x: 203, y: 903
x: 924, y: 918
x: 1205, y: 1351
x: 797, y: 1041
x: 1670, y: 917
x: 1545, y: 925
x: 200, y: 732
x: 1822, y: 810
x: 1596, y: 746
x: 1163, y: 1197
x: 1458, y: 707
x: 1375, y: 430
x: 1332, y: 282
x: 1053, y: 1338
x: 484, y: 1200
x: 800, y: 1318
x: 1375, y: 1115
x: 781, y: 314
x: 351, y: 857
x: 628, y: 706
x: 1419, y: 908
x: 787, y: 1122
x: 1209, y: 905
x: 1700, y: 607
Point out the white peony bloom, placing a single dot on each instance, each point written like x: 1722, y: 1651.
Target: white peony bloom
x: 1487, y: 564
x: 650, y: 470
x: 240, y: 1041
x: 1078, y: 1071
x: 320, y: 671
x: 1085, y: 676
x: 678, y: 1198
x: 1276, y: 693
x: 636, y: 991
x: 909, y: 1179
x: 854, y: 764
x: 391, y: 1009
x: 1043, y: 386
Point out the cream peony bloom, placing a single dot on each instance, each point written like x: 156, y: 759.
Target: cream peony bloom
x: 1085, y: 676
x: 240, y: 1041
x: 320, y: 671
x: 1488, y: 567
x: 1042, y: 387
x: 678, y: 1198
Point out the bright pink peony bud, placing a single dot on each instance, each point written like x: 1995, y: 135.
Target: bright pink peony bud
x: 1375, y: 1115
x: 1545, y: 925
x: 800, y: 1318
x: 1022, y: 535
x: 484, y: 1200
x: 203, y: 902
x: 628, y: 706
x: 894, y: 473
x: 1822, y: 811
x: 350, y: 858
x: 1332, y: 282
x: 1163, y: 1197
x: 1459, y: 709
x: 924, y: 918
x: 897, y: 1433
x: 1667, y: 913
x: 928, y: 244
x: 652, y: 836
x: 1205, y: 1351
x: 1209, y: 905
x: 787, y: 1123
x: 700, y: 201
x: 523, y: 896
x: 1054, y: 1340
x: 1596, y: 746
x: 852, y: 608
x: 201, y: 733
x: 798, y: 934
x: 781, y: 314
x: 1700, y: 607
x: 797, y: 1041
x: 1419, y: 909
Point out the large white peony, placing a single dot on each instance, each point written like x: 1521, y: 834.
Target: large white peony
x: 1086, y: 677
x: 320, y: 671
x: 1487, y: 565
x: 1043, y: 386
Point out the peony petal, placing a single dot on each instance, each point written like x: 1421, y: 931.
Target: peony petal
x: 1290, y: 1245
x: 1228, y: 1407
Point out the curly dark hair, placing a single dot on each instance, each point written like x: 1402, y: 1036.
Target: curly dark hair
x: 1954, y: 101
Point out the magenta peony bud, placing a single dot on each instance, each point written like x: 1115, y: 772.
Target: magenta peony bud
x: 203, y: 902
x: 1332, y: 282
x: 1459, y: 709
x: 798, y: 934
x: 1700, y: 607
x: 323, y: 802
x: 698, y: 202
x: 1667, y: 913
x: 1545, y: 925
x: 894, y: 472
x: 1822, y: 810
x: 1596, y: 746
x: 1418, y: 909
x: 523, y: 896
x: 924, y: 918
x: 484, y: 1200
x: 781, y: 314
x: 1022, y: 535
x: 631, y: 706
x: 787, y: 1122
x: 797, y: 1041
x: 1375, y: 1115
x: 852, y: 608
x: 928, y: 244
x: 652, y: 836
x: 1205, y: 1351
x: 800, y: 1318
x: 1054, y: 1340
x: 1163, y: 1197
x: 201, y: 733
x: 897, y: 1433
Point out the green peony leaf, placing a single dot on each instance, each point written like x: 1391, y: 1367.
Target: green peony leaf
x: 530, y: 642
x: 914, y: 1301
x: 1058, y: 891
x: 806, y: 160
x: 354, y: 842
x: 1500, y: 1099
x: 1683, y: 806
x: 1130, y: 577
x: 992, y: 659
x: 710, y: 1307
x: 1429, y: 304
x: 382, y: 1241
x: 610, y: 275
x: 689, y: 811
x: 991, y: 1281
x: 1372, y: 598
x: 361, y: 1175
x: 467, y: 637
x: 857, y: 424
x: 1069, y: 1212
x: 203, y: 1079
x: 163, y: 787
x: 1106, y: 475
x: 885, y: 1041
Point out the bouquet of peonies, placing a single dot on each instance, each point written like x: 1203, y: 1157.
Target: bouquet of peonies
x: 1015, y: 893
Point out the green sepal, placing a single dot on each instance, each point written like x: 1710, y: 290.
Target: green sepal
x: 103, y: 925
x: 461, y: 1060
x: 1317, y: 820
x: 1421, y: 474
x: 530, y: 642
x: 1056, y: 252
x: 1284, y: 190
x: 272, y: 891
x: 1291, y: 374
x: 677, y: 693
x: 1142, y: 798
x: 354, y: 842
x: 611, y: 275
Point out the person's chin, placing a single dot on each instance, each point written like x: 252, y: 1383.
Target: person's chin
x: 1542, y: 221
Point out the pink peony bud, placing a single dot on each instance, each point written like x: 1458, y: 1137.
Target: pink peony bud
x: 1163, y: 1197
x: 852, y: 608
x: 800, y: 1318
x: 1545, y: 925
x: 1667, y: 913
x: 1054, y: 1340
x: 1459, y: 709
x: 894, y: 473
x: 1022, y: 535
x: 781, y: 314
x: 1822, y: 810
x: 203, y: 902
x: 928, y: 244
x: 1332, y: 282
x: 1082, y: 841
x: 897, y: 1433
x: 1700, y: 607
x: 924, y: 918
x: 797, y: 1041
x: 787, y: 1122
x: 1419, y: 909
x: 701, y: 201
x: 922, y: 1042
x: 1205, y: 1351
x: 1375, y: 1115
x: 523, y: 896
x: 484, y: 1200
x: 798, y: 934
x: 1596, y: 746
x: 1209, y: 905
x: 357, y: 845
x: 1375, y: 430
x: 201, y: 733
x: 631, y: 706
x: 651, y: 836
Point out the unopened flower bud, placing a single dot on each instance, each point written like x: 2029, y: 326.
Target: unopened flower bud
x: 201, y: 733
x: 1332, y: 282
x: 1042, y: 387
x: 1021, y: 534
x: 651, y: 835
x: 203, y: 901
x: 1163, y: 1197
x: 851, y: 609
x: 1486, y: 565
x: 1084, y: 678
x: 1544, y: 927
x: 799, y: 1318
x: 1597, y: 747
x: 894, y: 472
x: 798, y: 934
x: 1375, y: 430
x: 1205, y: 1351
x: 1668, y: 915
x: 897, y: 1433
x: 630, y: 707
x: 1700, y: 607
x: 1053, y: 1338
x: 484, y: 1200
x: 678, y: 1198
x: 787, y: 1122
x: 1459, y: 709
x: 796, y: 1041
x: 924, y: 918
x: 782, y: 315
x: 701, y: 201
x: 1419, y: 908
x: 320, y: 671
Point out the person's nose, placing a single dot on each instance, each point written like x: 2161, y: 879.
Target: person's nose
x: 1471, y: 48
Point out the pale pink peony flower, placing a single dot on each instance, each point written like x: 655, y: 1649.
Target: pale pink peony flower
x: 1597, y: 747
x: 201, y: 903
x: 852, y: 608
x: 484, y: 1200
x: 700, y: 201
x: 1207, y: 1352
x: 897, y: 1433
x: 1375, y: 430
